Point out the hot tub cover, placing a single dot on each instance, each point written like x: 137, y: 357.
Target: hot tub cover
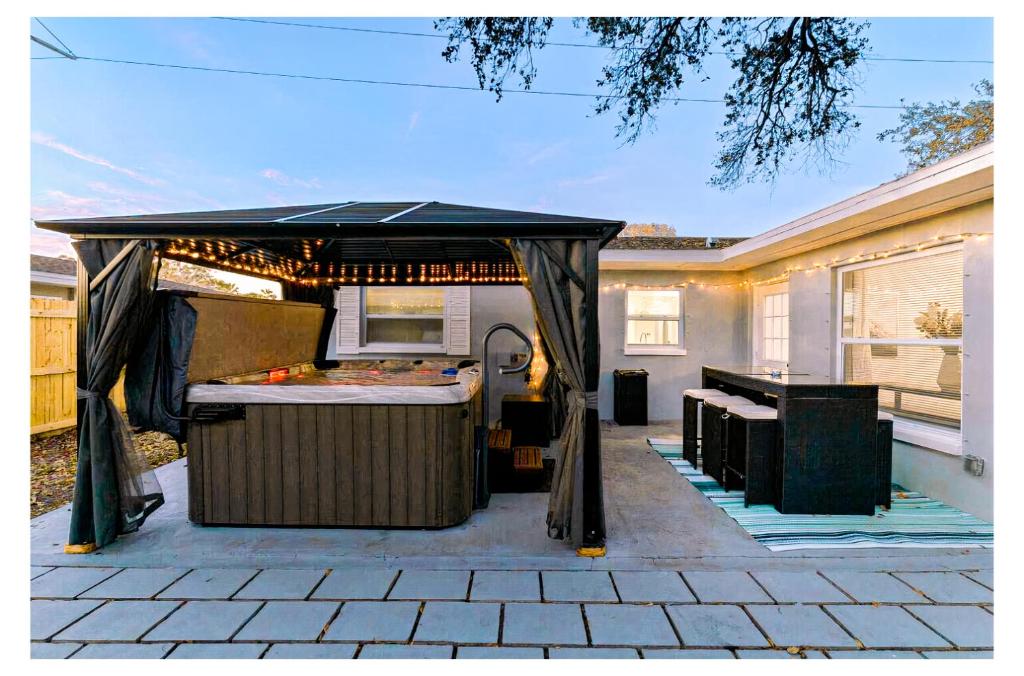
x: 390, y: 381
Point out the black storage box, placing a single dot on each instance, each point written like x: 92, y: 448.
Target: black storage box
x: 630, y: 396
x: 526, y: 415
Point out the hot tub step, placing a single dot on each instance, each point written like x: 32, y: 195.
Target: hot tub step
x: 500, y: 440
x: 527, y: 459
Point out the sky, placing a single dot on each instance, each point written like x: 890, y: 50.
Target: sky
x: 112, y: 139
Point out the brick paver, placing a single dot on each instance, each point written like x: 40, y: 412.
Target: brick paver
x: 965, y: 626
x: 311, y: 651
x: 217, y: 651
x: 390, y: 651
x: 726, y: 587
x: 543, y: 624
x: 67, y: 583
x: 499, y: 653
x: 458, y: 622
x: 118, y: 621
x: 505, y: 585
x: 947, y: 587
x: 715, y: 626
x: 886, y: 627
x: 874, y: 655
x: 53, y: 651
x: 49, y: 617
x: 800, y: 626
x: 208, y: 583
x: 578, y: 586
x: 875, y: 587
x: 288, y: 621
x: 958, y: 655
x: 123, y: 651
x: 803, y: 587
x: 592, y: 653
x: 696, y: 654
x: 629, y: 625
x: 656, y: 586
x: 374, y: 621
x: 204, y: 621
x: 356, y: 584
x: 431, y: 585
x: 985, y: 577
x: 281, y: 584
x: 135, y: 583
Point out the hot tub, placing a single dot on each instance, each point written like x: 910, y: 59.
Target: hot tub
x: 368, y: 443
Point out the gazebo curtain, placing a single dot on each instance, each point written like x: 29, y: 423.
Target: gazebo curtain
x: 323, y: 295
x: 555, y: 270
x: 115, y: 488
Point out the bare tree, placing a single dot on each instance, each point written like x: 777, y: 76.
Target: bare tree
x: 794, y: 77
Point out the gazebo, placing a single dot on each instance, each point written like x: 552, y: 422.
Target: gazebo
x: 313, y: 250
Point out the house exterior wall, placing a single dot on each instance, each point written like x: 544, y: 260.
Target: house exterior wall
x: 52, y: 290
x: 489, y: 305
x: 715, y: 331
x: 812, y: 310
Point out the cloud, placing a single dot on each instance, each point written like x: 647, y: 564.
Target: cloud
x: 49, y: 141
x: 414, y: 121
x: 54, y: 204
x: 547, y: 152
x: 283, y: 179
x: 47, y: 243
x: 584, y: 180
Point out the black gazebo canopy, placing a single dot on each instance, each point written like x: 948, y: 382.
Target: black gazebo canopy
x: 311, y: 250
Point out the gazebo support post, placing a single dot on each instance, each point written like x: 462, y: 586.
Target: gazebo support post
x: 81, y: 370
x: 593, y: 543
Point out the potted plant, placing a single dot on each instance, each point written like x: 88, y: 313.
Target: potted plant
x: 939, y: 322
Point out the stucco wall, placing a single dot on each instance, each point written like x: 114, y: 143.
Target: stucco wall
x: 812, y: 309
x: 488, y: 306
x: 715, y: 331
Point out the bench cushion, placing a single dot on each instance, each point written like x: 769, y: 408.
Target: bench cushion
x: 754, y: 412
x: 698, y: 393
x: 725, y: 401
x: 884, y: 415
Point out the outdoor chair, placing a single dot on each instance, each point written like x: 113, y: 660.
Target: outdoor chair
x: 715, y: 432
x: 749, y: 457
x: 883, y: 460
x: 693, y: 400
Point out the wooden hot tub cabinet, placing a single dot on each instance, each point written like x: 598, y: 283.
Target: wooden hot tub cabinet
x: 373, y: 465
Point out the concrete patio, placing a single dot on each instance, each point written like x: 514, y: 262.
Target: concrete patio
x: 681, y: 579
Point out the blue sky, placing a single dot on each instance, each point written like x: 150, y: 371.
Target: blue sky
x: 113, y: 139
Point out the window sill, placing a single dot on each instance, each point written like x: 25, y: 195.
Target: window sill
x: 407, y: 348
x: 636, y: 350
x: 932, y: 437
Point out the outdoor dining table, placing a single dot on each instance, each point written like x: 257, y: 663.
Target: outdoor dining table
x: 825, y: 451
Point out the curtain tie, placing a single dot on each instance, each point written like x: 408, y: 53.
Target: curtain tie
x: 585, y: 399
x: 85, y: 394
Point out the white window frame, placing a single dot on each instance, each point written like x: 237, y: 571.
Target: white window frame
x: 667, y: 350
x: 417, y: 348
x: 757, y: 322
x: 917, y: 432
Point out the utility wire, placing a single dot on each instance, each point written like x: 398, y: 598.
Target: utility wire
x: 67, y: 53
x: 381, y: 31
x: 422, y: 85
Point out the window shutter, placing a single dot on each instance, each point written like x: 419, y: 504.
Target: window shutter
x: 456, y: 308
x: 347, y: 302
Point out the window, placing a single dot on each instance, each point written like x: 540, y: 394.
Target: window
x: 771, y: 325
x: 901, y: 325
x: 403, y: 316
x: 654, y: 321
x: 415, y: 320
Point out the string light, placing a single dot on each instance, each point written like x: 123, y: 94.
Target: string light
x: 938, y: 240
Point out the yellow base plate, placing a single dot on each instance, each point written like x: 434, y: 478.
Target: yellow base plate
x: 591, y: 552
x: 87, y: 548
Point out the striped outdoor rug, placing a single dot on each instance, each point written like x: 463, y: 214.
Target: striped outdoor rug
x: 915, y: 520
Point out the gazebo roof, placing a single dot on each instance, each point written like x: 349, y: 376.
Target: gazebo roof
x: 345, y: 241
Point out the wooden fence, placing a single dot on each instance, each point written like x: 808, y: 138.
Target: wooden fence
x: 53, y: 365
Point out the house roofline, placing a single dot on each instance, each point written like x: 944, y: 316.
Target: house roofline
x: 958, y: 181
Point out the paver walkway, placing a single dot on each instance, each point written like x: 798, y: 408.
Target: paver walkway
x: 530, y: 614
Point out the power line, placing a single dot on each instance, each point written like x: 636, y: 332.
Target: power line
x: 54, y: 36
x: 422, y: 85
x: 380, y: 31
